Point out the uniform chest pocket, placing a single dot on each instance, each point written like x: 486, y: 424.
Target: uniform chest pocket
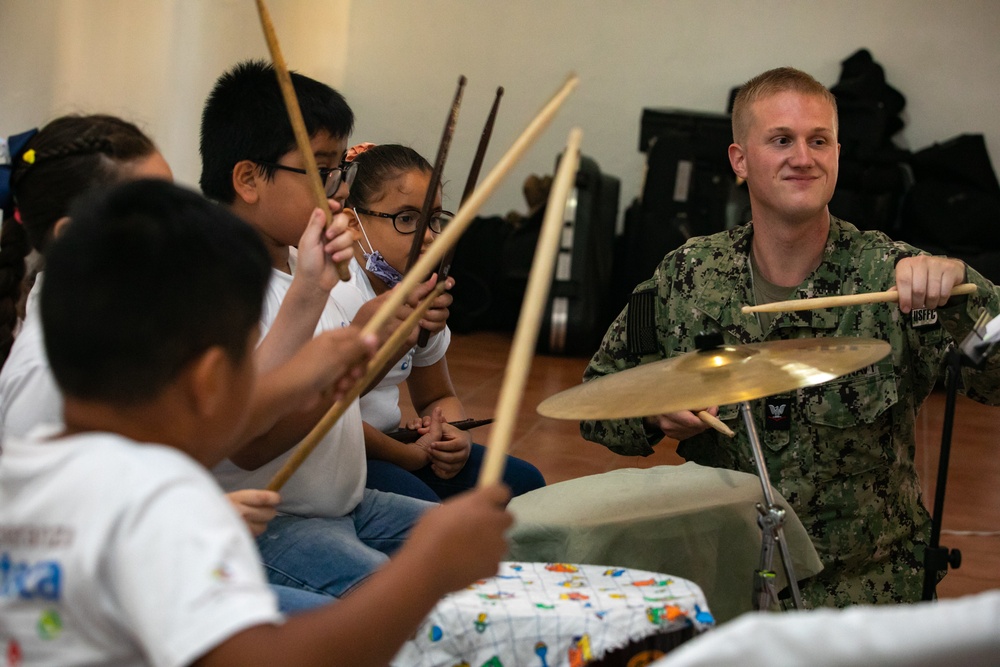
x: 729, y: 413
x: 854, y: 400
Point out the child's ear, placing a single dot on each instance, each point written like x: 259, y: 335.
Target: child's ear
x: 60, y: 226
x: 353, y: 226
x: 245, y: 180
x: 209, y: 381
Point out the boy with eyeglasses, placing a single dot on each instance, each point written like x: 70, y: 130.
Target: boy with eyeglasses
x: 331, y: 532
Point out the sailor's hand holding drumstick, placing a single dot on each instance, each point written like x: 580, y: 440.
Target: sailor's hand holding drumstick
x: 926, y: 281
x: 921, y: 282
x: 688, y: 423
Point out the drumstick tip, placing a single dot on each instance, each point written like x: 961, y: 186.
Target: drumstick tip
x: 716, y: 423
x: 499, y: 91
x: 571, y: 81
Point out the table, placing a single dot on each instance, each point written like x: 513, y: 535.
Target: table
x: 555, y: 615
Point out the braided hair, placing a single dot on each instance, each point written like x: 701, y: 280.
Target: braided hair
x: 67, y: 157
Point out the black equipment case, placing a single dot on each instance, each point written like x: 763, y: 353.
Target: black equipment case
x: 576, y: 314
x: 687, y: 192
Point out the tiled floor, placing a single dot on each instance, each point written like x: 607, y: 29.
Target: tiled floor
x: 477, y: 363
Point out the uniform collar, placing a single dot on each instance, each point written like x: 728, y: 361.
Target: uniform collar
x: 724, y: 306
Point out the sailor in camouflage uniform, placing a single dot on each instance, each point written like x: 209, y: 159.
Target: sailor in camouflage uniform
x: 841, y: 453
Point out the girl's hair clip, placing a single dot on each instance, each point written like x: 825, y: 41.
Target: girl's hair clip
x: 355, y: 151
x: 10, y: 152
x: 29, y: 156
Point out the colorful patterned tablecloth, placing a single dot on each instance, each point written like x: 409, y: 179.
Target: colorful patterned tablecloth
x: 552, y: 615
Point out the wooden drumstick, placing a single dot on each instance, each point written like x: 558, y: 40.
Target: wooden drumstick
x: 473, y: 178
x: 298, y: 124
x: 532, y: 310
x: 716, y: 423
x: 336, y: 411
x: 435, y: 180
x: 470, y: 185
x: 447, y: 239
x: 840, y: 301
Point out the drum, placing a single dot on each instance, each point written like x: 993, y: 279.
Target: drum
x: 559, y: 614
x: 696, y: 522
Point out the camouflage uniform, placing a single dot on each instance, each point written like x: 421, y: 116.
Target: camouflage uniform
x: 846, y: 463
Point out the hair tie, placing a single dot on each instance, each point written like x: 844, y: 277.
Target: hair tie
x: 10, y: 150
x: 355, y: 151
x: 17, y: 216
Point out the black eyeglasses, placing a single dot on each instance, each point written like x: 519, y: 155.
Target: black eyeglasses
x: 332, y: 178
x: 405, y: 222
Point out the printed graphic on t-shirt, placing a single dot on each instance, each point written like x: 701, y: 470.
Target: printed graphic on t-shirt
x: 49, y: 624
x: 14, y: 654
x: 30, y: 579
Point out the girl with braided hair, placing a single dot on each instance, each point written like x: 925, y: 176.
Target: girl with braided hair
x: 67, y: 157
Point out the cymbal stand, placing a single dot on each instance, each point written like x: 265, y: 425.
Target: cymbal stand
x: 771, y: 519
x: 971, y: 352
x: 938, y: 558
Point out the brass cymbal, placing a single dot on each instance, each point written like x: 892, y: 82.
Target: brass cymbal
x: 720, y: 376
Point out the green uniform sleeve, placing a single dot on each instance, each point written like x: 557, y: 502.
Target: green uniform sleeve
x: 981, y: 385
x: 629, y: 437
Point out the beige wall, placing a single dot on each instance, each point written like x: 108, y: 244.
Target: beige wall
x: 150, y: 61
x: 397, y: 62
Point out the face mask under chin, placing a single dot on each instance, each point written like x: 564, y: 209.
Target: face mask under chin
x: 381, y: 269
x: 375, y: 263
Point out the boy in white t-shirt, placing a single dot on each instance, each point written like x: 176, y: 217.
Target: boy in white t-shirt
x: 116, y: 550
x: 331, y: 531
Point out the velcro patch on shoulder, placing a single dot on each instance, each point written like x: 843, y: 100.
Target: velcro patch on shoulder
x: 641, y: 326
x: 923, y: 317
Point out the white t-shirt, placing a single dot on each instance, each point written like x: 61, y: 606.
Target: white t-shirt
x: 118, y: 553
x: 330, y: 484
x: 380, y: 406
x: 963, y: 631
x: 29, y: 395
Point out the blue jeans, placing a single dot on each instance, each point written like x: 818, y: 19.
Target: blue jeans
x: 294, y: 600
x: 332, y: 556
x: 519, y: 475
